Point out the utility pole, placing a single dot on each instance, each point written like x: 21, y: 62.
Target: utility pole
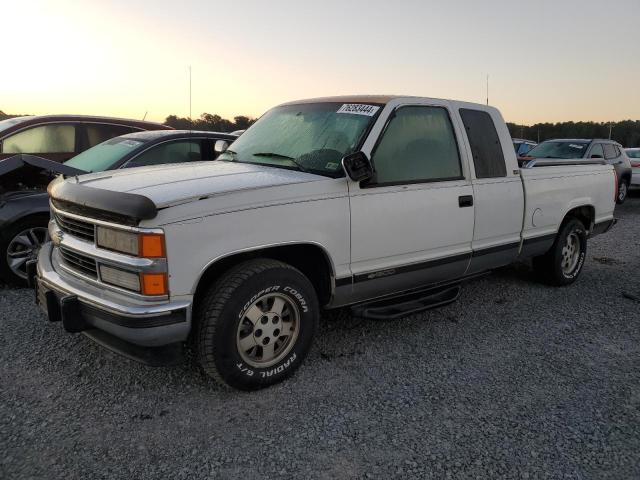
x: 610, y: 128
x: 189, y: 92
x: 487, y: 89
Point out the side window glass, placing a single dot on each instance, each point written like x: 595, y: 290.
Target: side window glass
x: 172, y: 152
x: 418, y: 144
x: 525, y: 148
x: 43, y: 139
x: 97, y: 133
x: 486, y: 149
x: 596, y: 151
x: 609, y: 151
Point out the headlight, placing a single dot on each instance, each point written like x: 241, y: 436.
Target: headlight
x: 118, y: 240
x: 120, y: 278
x: 148, y: 245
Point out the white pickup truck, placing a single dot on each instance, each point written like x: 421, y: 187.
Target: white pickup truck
x: 383, y: 203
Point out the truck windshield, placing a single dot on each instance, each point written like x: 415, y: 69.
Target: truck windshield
x: 312, y: 137
x: 104, y: 155
x: 559, y: 149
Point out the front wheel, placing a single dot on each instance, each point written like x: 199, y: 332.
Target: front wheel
x: 256, y: 324
x: 20, y: 243
x: 562, y: 264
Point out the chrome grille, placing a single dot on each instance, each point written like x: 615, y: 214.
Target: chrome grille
x: 79, y: 263
x: 76, y: 228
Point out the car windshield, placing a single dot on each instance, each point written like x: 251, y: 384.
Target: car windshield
x: 104, y: 155
x: 559, y: 149
x: 10, y: 122
x: 633, y: 153
x: 311, y: 137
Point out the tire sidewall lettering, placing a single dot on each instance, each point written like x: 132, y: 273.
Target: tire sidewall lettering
x: 294, y: 293
x: 255, y: 297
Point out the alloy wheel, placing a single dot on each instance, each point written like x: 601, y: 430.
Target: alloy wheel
x: 268, y: 330
x: 24, y: 247
x: 570, y: 253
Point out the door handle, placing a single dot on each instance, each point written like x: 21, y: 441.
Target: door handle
x: 465, y: 201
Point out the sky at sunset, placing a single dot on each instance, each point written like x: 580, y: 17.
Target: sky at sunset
x: 547, y: 60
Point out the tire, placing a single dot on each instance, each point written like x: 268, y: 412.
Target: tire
x: 242, y: 319
x: 562, y: 264
x: 623, y: 191
x: 19, y: 243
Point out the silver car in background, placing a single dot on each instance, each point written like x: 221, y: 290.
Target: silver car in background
x: 634, y: 158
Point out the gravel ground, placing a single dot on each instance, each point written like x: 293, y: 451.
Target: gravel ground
x: 515, y: 380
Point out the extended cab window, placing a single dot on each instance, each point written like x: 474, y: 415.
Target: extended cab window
x: 488, y: 158
x: 596, y: 151
x: 418, y: 145
x: 610, y: 151
x: 42, y: 139
x: 171, y: 152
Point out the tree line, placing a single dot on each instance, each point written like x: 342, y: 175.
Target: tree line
x: 626, y: 132
x: 209, y: 122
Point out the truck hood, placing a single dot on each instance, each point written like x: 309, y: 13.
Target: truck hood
x: 169, y: 185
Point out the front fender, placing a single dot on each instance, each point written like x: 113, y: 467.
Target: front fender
x: 16, y: 206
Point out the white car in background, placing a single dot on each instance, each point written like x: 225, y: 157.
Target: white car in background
x: 634, y: 158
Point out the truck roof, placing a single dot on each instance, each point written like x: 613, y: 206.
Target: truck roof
x: 384, y: 99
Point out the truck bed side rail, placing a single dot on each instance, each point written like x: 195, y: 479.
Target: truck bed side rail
x: 559, y: 162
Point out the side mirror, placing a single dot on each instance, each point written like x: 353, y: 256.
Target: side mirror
x: 357, y: 166
x: 595, y: 155
x: 221, y: 146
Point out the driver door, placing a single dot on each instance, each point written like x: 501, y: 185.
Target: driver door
x: 412, y: 224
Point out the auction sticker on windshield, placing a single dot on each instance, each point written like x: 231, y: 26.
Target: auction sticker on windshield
x: 358, y: 109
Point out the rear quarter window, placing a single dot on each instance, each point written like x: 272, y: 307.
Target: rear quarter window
x: 488, y: 157
x: 610, y: 151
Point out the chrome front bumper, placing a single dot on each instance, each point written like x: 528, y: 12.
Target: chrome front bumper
x: 139, y: 322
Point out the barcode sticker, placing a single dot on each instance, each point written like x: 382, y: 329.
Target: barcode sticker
x: 358, y: 109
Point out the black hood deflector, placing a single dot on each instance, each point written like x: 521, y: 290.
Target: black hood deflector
x: 117, y: 207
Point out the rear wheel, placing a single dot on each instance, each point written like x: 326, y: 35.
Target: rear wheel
x: 562, y: 264
x: 20, y: 243
x: 623, y: 191
x: 256, y: 324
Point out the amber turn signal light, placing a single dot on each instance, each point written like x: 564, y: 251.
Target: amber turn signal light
x: 154, y: 283
x: 151, y: 245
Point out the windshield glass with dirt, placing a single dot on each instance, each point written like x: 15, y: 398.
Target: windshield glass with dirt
x: 311, y: 137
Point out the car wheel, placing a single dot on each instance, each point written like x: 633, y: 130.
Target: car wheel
x: 623, y: 190
x: 562, y: 264
x: 20, y: 243
x: 255, y: 325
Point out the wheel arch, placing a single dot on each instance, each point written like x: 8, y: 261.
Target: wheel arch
x: 312, y: 259
x: 585, y: 213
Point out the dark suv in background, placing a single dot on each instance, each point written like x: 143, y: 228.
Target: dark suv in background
x: 60, y: 137
x: 609, y: 150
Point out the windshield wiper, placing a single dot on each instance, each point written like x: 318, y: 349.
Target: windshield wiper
x: 279, y: 155
x: 269, y: 154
